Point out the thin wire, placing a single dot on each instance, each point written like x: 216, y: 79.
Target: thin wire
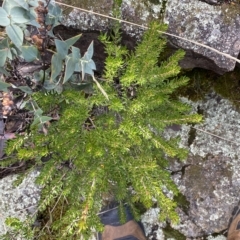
x: 144, y: 27
x: 214, y: 135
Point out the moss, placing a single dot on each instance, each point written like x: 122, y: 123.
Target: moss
x: 164, y: 4
x: 182, y: 202
x: 230, y: 12
x: 154, y: 1
x: 53, y: 213
x: 200, y: 83
x: 169, y: 232
x: 191, y: 136
x: 228, y: 86
x: 202, y: 175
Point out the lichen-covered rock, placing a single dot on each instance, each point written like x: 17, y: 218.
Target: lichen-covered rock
x: 208, y: 188
x: 215, y: 26
x: 209, y: 23
x: 152, y: 225
x: 210, y: 180
x: 140, y: 12
x: 20, y: 201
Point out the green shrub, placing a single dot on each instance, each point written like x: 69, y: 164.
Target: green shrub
x: 101, y: 139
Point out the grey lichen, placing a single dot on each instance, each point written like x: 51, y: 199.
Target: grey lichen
x: 206, y: 24
x: 140, y: 12
x: 211, y: 182
x: 19, y: 202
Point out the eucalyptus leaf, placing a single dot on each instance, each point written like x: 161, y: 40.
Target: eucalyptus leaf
x: 34, y: 23
x: 15, y: 33
x: 32, y: 13
x: 54, y: 9
x: 84, y: 86
x: 50, y: 33
x: 38, y: 118
x: 62, y: 48
x: 38, y: 76
x: 33, y: 3
x: 48, y: 85
x: 22, y: 3
x: 4, y: 43
x: 88, y: 67
x: 59, y: 88
x: 76, y: 53
x: 3, y: 71
x: 78, y: 67
x: 35, y: 121
x: 13, y: 52
x: 8, y: 5
x: 72, y: 40
x: 4, y: 86
x: 27, y: 34
x: 38, y: 112
x: 82, y: 69
x: 19, y: 15
x: 3, y: 56
x: 25, y: 89
x: 44, y: 119
x: 4, y: 18
x: 9, y: 55
x: 91, y: 64
x: 56, y: 65
x: 50, y: 20
x: 70, y: 67
x: 30, y: 53
x: 88, y: 55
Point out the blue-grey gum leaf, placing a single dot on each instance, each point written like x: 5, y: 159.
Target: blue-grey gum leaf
x: 19, y: 15
x: 62, y: 48
x: 76, y: 53
x: 90, y: 50
x: 3, y: 56
x: 8, y: 5
x: 25, y: 89
x: 54, y: 9
x: 4, y: 18
x: 72, y: 40
x: 15, y: 33
x: 33, y: 3
x: 6, y: 73
x: 23, y: 3
x: 70, y: 67
x: 4, y: 86
x: 56, y: 65
x: 4, y: 43
x: 30, y: 53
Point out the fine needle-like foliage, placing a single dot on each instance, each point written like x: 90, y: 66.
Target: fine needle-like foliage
x: 109, y: 146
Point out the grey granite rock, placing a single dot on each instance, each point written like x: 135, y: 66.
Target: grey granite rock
x: 211, y: 181
x: 214, y: 25
x: 20, y: 201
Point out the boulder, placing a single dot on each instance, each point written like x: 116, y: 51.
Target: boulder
x: 19, y: 202
x: 209, y: 178
x: 209, y: 22
x: 214, y: 25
